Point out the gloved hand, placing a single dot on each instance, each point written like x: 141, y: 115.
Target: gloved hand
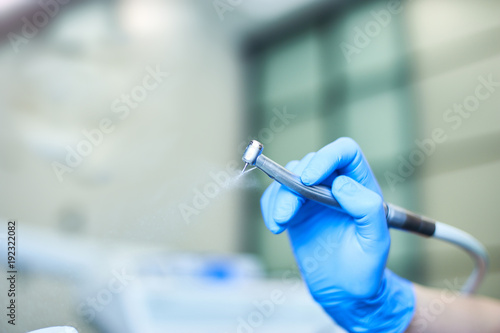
x: 342, y: 255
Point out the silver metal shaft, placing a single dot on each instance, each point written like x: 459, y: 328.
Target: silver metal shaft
x: 244, y: 168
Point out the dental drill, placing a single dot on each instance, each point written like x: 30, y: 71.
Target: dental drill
x: 397, y: 217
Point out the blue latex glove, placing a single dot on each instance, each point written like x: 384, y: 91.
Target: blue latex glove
x: 342, y: 255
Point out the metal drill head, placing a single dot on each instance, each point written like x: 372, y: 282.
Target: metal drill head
x: 244, y: 168
x: 254, y: 149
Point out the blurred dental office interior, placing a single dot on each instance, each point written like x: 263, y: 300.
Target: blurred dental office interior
x: 122, y: 125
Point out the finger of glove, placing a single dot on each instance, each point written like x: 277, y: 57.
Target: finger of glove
x: 364, y: 206
x: 267, y: 202
x: 344, y: 155
x: 287, y: 203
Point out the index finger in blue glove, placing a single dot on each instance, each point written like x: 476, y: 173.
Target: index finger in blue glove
x: 344, y: 155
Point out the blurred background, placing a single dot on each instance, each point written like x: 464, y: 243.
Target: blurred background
x: 122, y: 125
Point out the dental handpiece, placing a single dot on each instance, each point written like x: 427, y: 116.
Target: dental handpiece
x: 397, y: 217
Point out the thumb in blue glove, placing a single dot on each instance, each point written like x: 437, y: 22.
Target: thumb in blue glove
x: 342, y: 254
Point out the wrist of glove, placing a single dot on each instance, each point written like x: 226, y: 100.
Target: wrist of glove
x: 391, y: 309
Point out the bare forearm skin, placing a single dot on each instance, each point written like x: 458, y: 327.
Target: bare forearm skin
x: 439, y: 311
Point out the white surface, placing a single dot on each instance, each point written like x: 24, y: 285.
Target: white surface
x: 58, y: 329
x: 157, y: 305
